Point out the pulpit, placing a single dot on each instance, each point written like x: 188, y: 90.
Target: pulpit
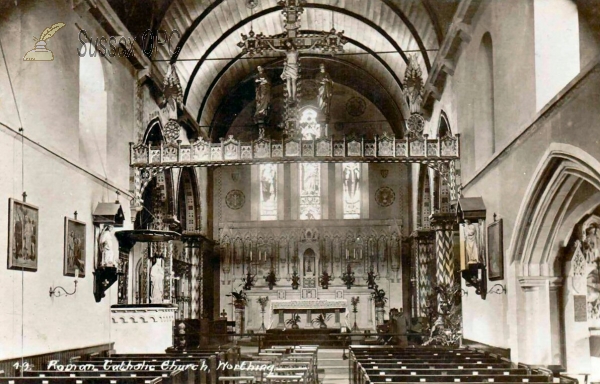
x: 281, y: 307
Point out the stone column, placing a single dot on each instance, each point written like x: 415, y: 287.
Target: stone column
x: 280, y: 320
x: 443, y: 224
x: 425, y: 265
x: 536, y: 319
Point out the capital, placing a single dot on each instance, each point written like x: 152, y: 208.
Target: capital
x: 443, y: 221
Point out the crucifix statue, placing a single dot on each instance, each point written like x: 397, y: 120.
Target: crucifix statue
x: 292, y: 42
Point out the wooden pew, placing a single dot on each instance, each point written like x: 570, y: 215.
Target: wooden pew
x: 82, y: 380
x: 168, y: 377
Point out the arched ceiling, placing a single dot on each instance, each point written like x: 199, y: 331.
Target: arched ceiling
x: 381, y: 33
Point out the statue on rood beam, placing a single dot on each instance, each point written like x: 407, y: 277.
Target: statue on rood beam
x: 263, y: 95
x: 325, y: 90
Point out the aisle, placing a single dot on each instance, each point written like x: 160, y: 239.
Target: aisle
x: 332, y: 368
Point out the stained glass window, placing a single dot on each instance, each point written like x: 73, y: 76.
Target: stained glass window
x: 310, y: 191
x: 351, y: 184
x: 268, y: 192
x: 308, y: 125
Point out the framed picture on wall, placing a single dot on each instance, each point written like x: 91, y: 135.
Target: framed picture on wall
x: 23, y: 223
x: 74, y: 254
x: 495, y: 251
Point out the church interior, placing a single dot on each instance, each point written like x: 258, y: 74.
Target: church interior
x: 300, y: 191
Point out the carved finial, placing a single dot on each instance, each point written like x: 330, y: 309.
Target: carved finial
x: 75, y: 215
x: 24, y: 196
x: 494, y: 216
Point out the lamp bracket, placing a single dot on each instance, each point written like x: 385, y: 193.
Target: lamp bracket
x: 56, y: 293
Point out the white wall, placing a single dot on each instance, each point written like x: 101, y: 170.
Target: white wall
x: 47, y: 95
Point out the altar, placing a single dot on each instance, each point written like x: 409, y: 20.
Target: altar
x: 308, y: 307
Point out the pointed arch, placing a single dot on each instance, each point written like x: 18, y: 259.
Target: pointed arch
x: 547, y: 209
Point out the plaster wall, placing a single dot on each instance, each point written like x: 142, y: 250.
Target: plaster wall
x: 47, y: 95
x: 522, y: 137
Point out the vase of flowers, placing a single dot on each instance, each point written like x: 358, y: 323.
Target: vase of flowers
x: 262, y: 301
x: 271, y: 279
x: 324, y: 280
x: 354, y: 302
x: 379, y: 299
x: 348, y: 277
x: 295, y: 280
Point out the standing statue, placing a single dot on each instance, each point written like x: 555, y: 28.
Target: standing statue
x: 263, y: 94
x: 157, y: 277
x: 325, y: 90
x: 291, y: 68
x: 105, y: 247
x: 471, y: 242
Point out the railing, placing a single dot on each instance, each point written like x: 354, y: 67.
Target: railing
x: 233, y: 152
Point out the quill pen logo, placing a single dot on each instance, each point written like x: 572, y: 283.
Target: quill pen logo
x: 40, y: 52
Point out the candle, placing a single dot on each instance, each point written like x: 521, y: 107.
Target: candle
x: 76, y: 273
x: 250, y: 255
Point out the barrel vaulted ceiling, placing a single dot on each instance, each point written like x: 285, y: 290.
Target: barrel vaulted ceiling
x: 381, y: 34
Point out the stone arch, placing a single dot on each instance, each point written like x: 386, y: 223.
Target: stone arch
x: 565, y: 188
x: 547, y: 207
x: 188, y: 201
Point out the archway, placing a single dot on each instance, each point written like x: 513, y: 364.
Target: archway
x: 564, y: 192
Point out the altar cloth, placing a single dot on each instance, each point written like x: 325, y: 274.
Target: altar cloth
x: 309, y: 304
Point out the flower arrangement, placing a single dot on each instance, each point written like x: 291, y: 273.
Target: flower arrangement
x: 262, y: 301
x: 293, y: 321
x: 249, y: 281
x: 240, y: 299
x: 271, y: 279
x: 354, y: 301
x: 378, y: 296
x: 295, y: 280
x: 321, y: 320
x: 324, y: 280
x: 348, y: 277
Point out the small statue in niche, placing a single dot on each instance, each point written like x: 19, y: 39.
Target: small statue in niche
x: 105, y: 247
x: 325, y: 90
x: 471, y: 236
x: 263, y: 94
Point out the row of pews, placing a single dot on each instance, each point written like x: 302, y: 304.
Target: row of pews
x: 385, y: 364
x: 194, y: 366
x: 287, y: 364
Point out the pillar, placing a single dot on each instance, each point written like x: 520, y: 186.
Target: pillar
x: 424, y: 265
x: 536, y: 319
x: 443, y: 224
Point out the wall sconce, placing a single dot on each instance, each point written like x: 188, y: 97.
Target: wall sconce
x: 56, y: 293
x: 498, y: 289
